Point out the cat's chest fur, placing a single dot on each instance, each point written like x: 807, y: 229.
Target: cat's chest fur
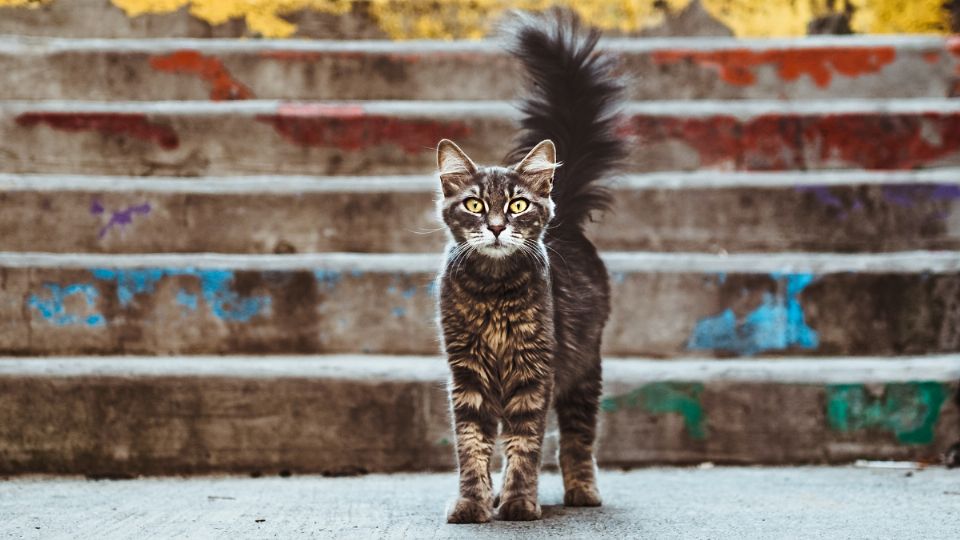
x: 493, y: 319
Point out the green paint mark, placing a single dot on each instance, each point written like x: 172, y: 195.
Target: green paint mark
x: 662, y: 398
x: 444, y: 442
x: 909, y: 410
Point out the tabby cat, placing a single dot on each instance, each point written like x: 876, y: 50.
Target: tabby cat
x: 524, y: 295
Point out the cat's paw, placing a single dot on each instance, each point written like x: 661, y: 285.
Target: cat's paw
x: 582, y: 496
x: 519, y: 510
x: 469, y: 511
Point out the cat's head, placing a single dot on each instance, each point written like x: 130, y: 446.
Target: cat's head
x: 496, y: 211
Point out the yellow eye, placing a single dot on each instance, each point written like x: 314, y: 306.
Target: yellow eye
x: 518, y: 205
x: 473, y: 205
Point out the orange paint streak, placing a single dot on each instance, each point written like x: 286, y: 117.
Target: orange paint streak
x: 210, y: 69
x: 736, y: 65
x: 788, y: 142
x: 349, y: 128
x: 137, y: 126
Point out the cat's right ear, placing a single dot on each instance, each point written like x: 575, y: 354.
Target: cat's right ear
x: 456, y: 169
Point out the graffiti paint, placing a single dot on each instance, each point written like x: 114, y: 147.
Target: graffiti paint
x: 349, y: 128
x: 187, y: 300
x: 738, y: 66
x: 801, y: 142
x: 907, y: 410
x: 777, y: 324
x: 665, y: 398
x: 327, y: 279
x: 215, y: 289
x: 900, y: 195
x: 52, y: 307
x: 119, y: 218
x: 208, y: 68
x: 137, y: 126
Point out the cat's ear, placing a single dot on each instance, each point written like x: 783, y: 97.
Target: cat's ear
x: 455, y: 167
x: 538, y: 166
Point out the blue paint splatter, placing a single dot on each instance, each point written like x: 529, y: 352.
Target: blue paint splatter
x: 187, y: 300
x: 431, y: 288
x: 777, y: 324
x: 215, y: 288
x: 131, y: 282
x: 327, y: 278
x: 399, y: 312
x: 54, y: 310
x: 409, y: 292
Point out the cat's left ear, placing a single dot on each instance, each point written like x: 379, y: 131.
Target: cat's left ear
x: 456, y: 168
x: 538, y: 166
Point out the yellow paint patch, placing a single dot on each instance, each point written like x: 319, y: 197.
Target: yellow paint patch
x: 405, y: 19
x: 897, y: 16
x: 763, y: 18
x: 450, y: 19
x: 263, y: 17
x: 23, y: 3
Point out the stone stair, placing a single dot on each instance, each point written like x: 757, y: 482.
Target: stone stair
x: 784, y: 251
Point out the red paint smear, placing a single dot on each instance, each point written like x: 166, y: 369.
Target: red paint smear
x: 210, y: 69
x: 349, y: 128
x: 132, y: 125
x: 931, y: 57
x: 953, y: 47
x: 782, y: 142
x: 736, y: 65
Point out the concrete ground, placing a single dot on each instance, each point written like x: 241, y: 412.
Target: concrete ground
x: 741, y: 503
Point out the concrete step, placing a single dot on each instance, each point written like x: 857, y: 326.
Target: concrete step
x: 335, y: 415
x: 270, y: 137
x: 666, y: 305
x: 679, y: 68
x: 723, y: 503
x: 673, y: 211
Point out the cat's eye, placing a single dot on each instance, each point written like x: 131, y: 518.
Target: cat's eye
x: 474, y: 205
x: 518, y: 205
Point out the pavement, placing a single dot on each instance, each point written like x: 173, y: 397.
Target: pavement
x: 715, y: 503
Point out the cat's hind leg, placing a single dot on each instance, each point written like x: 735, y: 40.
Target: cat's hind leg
x: 577, y: 408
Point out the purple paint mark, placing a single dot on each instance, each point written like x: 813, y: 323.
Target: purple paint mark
x: 907, y: 196
x: 828, y: 199
x: 902, y: 195
x: 120, y: 218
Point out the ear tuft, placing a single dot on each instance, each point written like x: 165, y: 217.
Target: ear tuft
x: 454, y: 165
x: 538, y: 166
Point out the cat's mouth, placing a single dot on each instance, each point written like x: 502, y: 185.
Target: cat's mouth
x: 496, y: 249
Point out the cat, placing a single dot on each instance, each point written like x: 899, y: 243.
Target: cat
x: 524, y: 295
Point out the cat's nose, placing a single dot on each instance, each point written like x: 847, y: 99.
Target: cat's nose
x: 496, y: 229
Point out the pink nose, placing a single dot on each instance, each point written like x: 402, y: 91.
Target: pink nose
x: 496, y: 229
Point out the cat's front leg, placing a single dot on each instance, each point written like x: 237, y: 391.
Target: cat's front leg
x: 475, y: 426
x: 527, y: 398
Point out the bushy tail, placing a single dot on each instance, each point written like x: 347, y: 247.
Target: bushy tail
x: 572, y: 98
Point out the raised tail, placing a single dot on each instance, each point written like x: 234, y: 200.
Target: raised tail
x: 572, y: 98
